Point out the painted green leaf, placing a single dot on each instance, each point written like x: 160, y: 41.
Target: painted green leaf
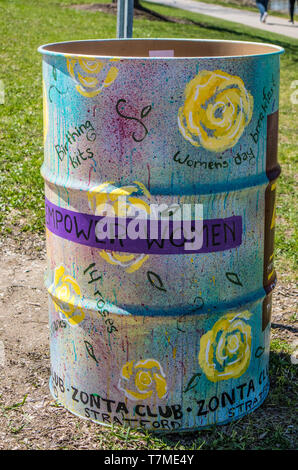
x: 234, y: 279
x: 194, y: 381
x: 90, y: 350
x: 259, y: 352
x: 145, y: 111
x: 155, y: 281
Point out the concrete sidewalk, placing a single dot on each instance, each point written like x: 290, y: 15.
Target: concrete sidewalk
x: 274, y: 24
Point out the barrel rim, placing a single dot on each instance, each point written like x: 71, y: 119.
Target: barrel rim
x: 273, y: 49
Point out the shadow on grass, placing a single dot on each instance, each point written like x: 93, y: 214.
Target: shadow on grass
x: 284, y: 327
x: 254, y: 37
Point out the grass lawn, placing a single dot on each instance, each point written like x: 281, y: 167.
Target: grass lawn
x: 25, y: 25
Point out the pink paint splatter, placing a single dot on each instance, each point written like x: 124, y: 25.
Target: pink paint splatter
x: 91, y: 168
x: 148, y: 185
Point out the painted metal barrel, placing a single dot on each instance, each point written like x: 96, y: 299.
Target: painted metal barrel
x: 152, y: 331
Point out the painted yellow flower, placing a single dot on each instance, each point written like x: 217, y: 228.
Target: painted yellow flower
x: 142, y: 380
x: 226, y: 349
x: 216, y: 110
x: 45, y: 112
x: 66, y: 295
x: 110, y: 200
x: 91, y: 76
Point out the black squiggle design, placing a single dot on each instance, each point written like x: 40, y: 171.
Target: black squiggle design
x: 59, y: 91
x: 200, y: 302
x: 145, y: 111
x: 178, y: 320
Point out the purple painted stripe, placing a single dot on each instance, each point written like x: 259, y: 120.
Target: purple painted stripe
x: 218, y: 234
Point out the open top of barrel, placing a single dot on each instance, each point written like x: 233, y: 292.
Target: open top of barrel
x: 141, y: 48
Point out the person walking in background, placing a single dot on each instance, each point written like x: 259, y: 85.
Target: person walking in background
x: 262, y: 6
x: 292, y: 9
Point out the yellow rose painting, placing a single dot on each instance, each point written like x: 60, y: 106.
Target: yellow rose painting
x: 110, y: 200
x: 216, y: 110
x: 142, y: 380
x: 225, y: 350
x: 91, y: 76
x: 66, y: 295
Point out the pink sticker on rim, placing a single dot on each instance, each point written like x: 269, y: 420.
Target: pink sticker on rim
x: 165, y: 53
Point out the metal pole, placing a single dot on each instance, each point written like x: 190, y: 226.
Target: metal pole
x: 124, y: 18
